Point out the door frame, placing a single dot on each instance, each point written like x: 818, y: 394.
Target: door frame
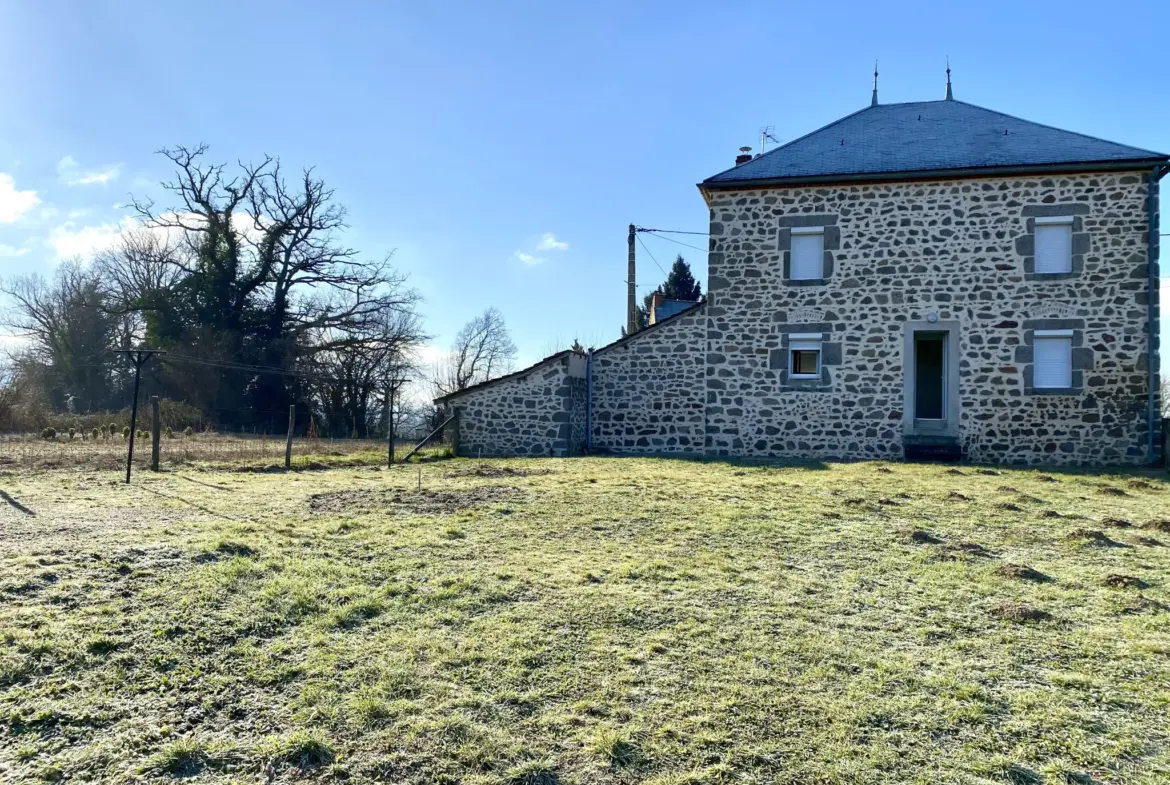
x: 950, y: 425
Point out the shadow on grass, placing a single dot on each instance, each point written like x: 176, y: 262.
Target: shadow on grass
x: 4, y: 495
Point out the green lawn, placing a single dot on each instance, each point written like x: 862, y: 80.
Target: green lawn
x: 586, y: 620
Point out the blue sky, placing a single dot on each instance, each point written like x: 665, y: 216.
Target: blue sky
x: 501, y: 149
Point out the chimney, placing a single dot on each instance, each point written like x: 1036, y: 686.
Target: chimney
x: 655, y: 302
x: 745, y: 155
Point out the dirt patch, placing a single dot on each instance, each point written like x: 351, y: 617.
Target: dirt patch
x: 1018, y: 612
x: 958, y: 497
x: 1110, y: 490
x: 962, y: 551
x: 1125, y: 582
x: 487, y: 470
x: 1091, y: 537
x: 1158, y: 525
x: 921, y: 537
x: 1143, y: 604
x: 1022, y: 572
x: 1117, y: 523
x: 400, y: 501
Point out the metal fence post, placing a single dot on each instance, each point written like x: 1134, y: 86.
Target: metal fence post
x: 292, y: 422
x: 154, y: 433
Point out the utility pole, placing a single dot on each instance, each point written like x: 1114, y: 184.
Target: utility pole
x: 631, y: 295
x: 139, y: 358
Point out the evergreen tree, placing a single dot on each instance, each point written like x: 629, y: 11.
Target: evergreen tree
x: 680, y: 284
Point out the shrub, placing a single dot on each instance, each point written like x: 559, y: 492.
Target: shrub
x: 169, y: 433
x: 188, y: 432
x: 49, y: 433
x: 125, y: 431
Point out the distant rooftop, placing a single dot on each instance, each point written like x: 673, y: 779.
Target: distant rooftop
x: 889, y: 141
x: 664, y: 309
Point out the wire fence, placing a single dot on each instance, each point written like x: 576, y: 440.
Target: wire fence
x: 106, y: 449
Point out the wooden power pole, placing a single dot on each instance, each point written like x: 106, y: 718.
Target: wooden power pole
x: 139, y: 357
x: 631, y: 294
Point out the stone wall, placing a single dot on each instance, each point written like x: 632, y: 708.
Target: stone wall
x: 955, y: 251
x: 538, y: 411
x: 648, y: 389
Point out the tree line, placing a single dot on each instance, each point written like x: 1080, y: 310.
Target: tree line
x: 243, y: 278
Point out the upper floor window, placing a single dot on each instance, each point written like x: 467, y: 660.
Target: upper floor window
x: 808, y: 253
x: 1054, y: 244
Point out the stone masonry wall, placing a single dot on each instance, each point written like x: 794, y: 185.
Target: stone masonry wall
x: 532, y: 412
x: 900, y: 252
x: 648, y: 389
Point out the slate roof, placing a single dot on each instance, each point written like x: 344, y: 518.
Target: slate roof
x: 668, y: 308
x: 894, y: 141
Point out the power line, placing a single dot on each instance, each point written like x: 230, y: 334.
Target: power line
x: 680, y: 242
x: 671, y: 231
x: 652, y: 256
x: 256, y: 369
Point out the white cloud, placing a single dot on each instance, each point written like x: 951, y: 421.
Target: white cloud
x: 71, y: 173
x: 69, y: 239
x: 11, y: 251
x: 13, y: 203
x: 528, y: 258
x: 549, y: 242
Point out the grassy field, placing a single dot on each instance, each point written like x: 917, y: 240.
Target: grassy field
x: 590, y: 620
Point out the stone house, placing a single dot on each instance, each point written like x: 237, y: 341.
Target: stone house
x: 929, y: 278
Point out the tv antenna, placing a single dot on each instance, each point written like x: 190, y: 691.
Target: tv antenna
x: 766, y: 136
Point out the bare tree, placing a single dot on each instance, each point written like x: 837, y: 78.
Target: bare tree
x: 483, y: 350
x: 351, y: 380
x: 69, y: 333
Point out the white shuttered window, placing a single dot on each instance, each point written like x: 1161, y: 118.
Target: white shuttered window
x: 1054, y: 245
x: 1052, y: 359
x: 804, y: 350
x: 808, y: 253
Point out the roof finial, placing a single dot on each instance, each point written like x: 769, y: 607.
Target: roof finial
x: 873, y: 101
x: 950, y: 96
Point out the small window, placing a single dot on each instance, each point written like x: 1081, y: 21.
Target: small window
x: 1054, y: 244
x: 808, y: 253
x: 1052, y: 351
x: 805, y: 357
